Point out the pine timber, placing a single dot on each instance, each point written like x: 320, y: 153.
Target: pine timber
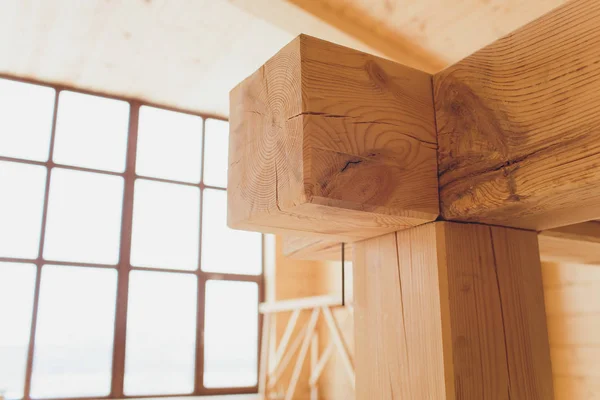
x: 314, y: 248
x: 326, y: 140
x: 578, y: 243
x: 451, y: 311
x: 518, y: 125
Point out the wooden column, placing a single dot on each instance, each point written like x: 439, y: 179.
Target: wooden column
x: 451, y: 311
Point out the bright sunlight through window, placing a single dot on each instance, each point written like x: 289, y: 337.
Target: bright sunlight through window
x: 118, y: 274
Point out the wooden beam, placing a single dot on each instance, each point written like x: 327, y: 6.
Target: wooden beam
x: 519, y: 143
x: 329, y: 141
x: 314, y: 248
x: 578, y: 243
x: 264, y: 356
x: 451, y: 311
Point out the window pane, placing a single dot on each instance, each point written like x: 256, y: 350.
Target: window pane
x: 169, y: 145
x: 215, y: 159
x: 231, y: 334
x: 75, y: 330
x: 161, y: 333
x: 17, y: 282
x: 247, y: 257
x: 165, y: 225
x: 91, y: 131
x: 21, y: 206
x: 26, y: 113
x: 84, y: 217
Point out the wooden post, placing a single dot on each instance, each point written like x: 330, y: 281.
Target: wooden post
x: 314, y: 358
x: 451, y: 311
x: 263, y: 362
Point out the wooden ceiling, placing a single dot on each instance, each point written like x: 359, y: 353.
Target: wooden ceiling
x: 189, y: 53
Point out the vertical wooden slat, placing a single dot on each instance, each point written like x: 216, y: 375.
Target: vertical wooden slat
x: 314, y: 358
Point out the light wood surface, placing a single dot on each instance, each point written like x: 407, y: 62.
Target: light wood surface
x: 518, y: 125
x: 478, y: 333
x: 303, y: 303
x: 264, y: 351
x: 427, y: 34
x: 572, y: 293
x: 579, y: 243
x: 327, y: 140
x: 314, y: 248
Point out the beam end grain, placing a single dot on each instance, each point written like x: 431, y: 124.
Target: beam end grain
x: 332, y: 142
x: 519, y: 143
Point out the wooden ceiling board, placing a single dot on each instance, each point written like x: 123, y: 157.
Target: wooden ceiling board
x: 446, y: 29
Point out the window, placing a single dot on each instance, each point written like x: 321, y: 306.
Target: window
x: 117, y: 275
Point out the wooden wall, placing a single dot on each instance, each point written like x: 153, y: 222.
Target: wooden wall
x: 572, y: 294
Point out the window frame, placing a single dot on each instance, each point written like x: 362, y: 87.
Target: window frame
x: 124, y: 266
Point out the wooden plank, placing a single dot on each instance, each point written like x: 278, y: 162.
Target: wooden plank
x: 579, y: 243
x: 329, y: 141
x: 314, y: 358
x: 386, y: 41
x: 479, y: 333
x: 264, y: 357
x: 299, y: 304
x: 314, y: 248
x: 518, y: 125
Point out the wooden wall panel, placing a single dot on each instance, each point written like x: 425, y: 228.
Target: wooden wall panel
x: 572, y: 293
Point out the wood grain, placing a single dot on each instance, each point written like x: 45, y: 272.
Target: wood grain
x: 579, y: 243
x: 518, y: 125
x: 451, y: 311
x: 572, y: 293
x: 330, y: 141
x: 315, y: 248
